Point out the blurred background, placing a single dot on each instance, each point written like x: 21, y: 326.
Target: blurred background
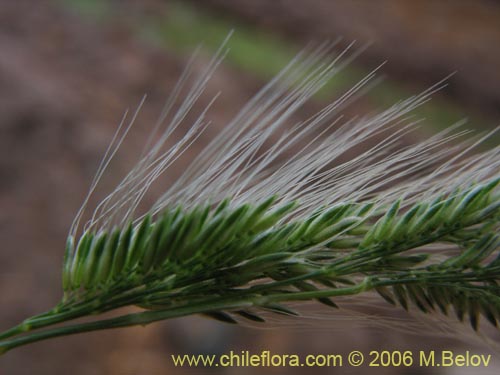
x: 70, y: 68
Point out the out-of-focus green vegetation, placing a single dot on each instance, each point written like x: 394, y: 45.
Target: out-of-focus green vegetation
x: 184, y: 26
x: 251, y: 49
x: 97, y: 9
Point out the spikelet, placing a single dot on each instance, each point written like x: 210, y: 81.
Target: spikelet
x: 271, y: 213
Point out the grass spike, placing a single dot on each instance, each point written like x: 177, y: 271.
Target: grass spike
x: 266, y: 215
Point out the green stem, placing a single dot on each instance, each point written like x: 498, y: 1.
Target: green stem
x: 13, y: 331
x: 106, y: 302
x: 147, y: 317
